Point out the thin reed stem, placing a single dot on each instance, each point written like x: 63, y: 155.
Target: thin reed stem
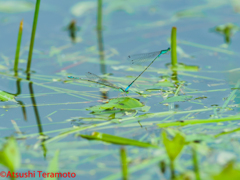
x: 18, y: 47
x: 34, y: 27
x: 174, y: 46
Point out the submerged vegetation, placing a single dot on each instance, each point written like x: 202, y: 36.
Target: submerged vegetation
x: 177, y: 121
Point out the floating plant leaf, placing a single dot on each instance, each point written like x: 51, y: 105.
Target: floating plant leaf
x: 4, y: 96
x: 189, y: 13
x: 197, y: 11
x: 117, y: 140
x: 125, y: 103
x: 145, y: 108
x: 83, y: 7
x: 129, y: 6
x: 53, y: 167
x: 182, y: 67
x: 174, y: 146
x: 3, y: 67
x: 15, y: 6
x: 10, y: 156
x: 182, y: 53
x: 236, y: 5
x: 176, y: 99
x: 54, y: 51
x: 165, y: 83
x: 227, y: 30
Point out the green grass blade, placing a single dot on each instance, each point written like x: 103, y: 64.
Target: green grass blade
x: 199, y: 121
x: 207, y: 47
x: 227, y: 132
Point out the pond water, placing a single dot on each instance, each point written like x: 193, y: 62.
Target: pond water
x: 51, y: 112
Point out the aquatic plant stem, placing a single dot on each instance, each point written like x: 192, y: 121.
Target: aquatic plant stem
x: 172, y: 169
x: 123, y: 154
x: 18, y: 47
x: 174, y: 46
x: 34, y: 27
x: 99, y: 16
x: 195, y: 163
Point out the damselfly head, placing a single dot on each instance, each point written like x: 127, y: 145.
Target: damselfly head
x: 165, y: 51
x: 122, y: 90
x: 168, y: 50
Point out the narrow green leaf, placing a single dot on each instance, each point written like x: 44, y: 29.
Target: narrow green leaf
x: 165, y: 83
x: 210, y: 48
x: 199, y: 121
x: 117, y: 140
x: 53, y: 167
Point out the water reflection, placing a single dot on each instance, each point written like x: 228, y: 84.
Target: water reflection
x: 72, y: 29
x: 100, y: 45
x: 40, y: 130
x: 18, y: 86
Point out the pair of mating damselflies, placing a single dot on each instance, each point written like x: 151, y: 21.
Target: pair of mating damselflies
x: 135, y: 59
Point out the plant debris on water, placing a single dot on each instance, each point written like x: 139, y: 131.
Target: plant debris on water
x: 177, y: 120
